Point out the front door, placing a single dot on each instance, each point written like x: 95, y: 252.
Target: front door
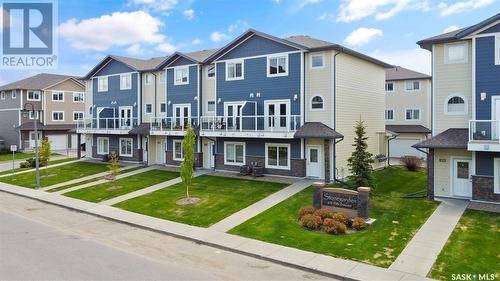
x: 232, y: 111
x: 277, y: 115
x: 145, y: 150
x: 313, y: 162
x: 32, y: 139
x: 462, y: 181
x: 161, y: 149
x: 211, y: 151
x: 125, y: 117
x: 182, y: 114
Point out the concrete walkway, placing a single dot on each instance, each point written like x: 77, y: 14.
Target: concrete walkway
x: 259, y: 207
x: 50, y: 166
x: 421, y: 252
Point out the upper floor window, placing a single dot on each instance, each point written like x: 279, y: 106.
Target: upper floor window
x: 77, y: 115
x: 162, y: 77
x: 413, y: 114
x: 2, y: 95
x: 32, y: 114
x: 57, y: 116
x: 317, y: 103
x: 33, y: 95
x: 497, y: 50
x: 234, y: 70
x: 181, y: 75
x: 125, y: 81
x: 14, y: 94
x: 389, y: 86
x: 412, y: 85
x: 148, y: 79
x: 57, y: 96
x: 211, y: 106
x: 163, y: 107
x: 148, y: 108
x: 455, y: 53
x: 277, y: 66
x: 102, y: 84
x: 211, y: 71
x: 389, y: 114
x: 78, y: 97
x: 456, y: 105
x: 91, y: 110
x: 317, y: 61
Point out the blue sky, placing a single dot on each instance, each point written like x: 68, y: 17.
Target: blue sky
x: 386, y: 29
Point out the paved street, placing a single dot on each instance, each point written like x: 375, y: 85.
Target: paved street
x: 42, y: 241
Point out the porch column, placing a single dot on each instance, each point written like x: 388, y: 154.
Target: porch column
x: 430, y: 174
x: 78, y: 146
x: 327, y: 160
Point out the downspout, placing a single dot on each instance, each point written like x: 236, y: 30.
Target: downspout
x: 334, y: 164
x: 334, y: 168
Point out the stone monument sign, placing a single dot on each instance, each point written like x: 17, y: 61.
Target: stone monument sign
x: 353, y: 203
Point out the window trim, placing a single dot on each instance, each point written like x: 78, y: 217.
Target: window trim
x: 242, y: 61
x: 58, y: 92
x: 146, y: 108
x: 276, y: 56
x: 2, y: 95
x: 77, y: 94
x: 496, y: 175
x: 419, y: 114
x: 164, y: 107
x: 13, y: 94
x: 146, y: 76
x: 83, y: 115
x: 99, y: 148
x: 322, y: 103
x: 174, y: 157
x: 175, y: 75
x: 466, y: 52
x: 104, y: 78
x: 215, y: 106
x: 322, y: 54
x: 131, y: 147
x: 123, y: 75
x: 57, y: 111
x: 413, y: 85
x: 208, y: 69
x: 244, y: 153
x: 37, y: 115
x: 385, y: 116
x: 34, y: 93
x: 393, y: 87
x: 278, y: 145
x: 497, y: 49
x: 466, y: 104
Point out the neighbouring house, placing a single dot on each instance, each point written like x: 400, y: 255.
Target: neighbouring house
x: 464, y: 151
x: 58, y: 101
x: 288, y: 105
x: 407, y: 110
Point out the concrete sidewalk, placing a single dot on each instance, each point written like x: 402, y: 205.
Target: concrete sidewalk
x: 421, y: 252
x: 259, y: 207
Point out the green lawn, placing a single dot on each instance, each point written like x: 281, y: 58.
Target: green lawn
x: 125, y: 185
x: 220, y: 197
x: 18, y: 156
x: 472, y: 248
x: 57, y: 174
x: 397, y: 220
x: 25, y: 169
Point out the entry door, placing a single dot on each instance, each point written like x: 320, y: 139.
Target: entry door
x: 277, y: 115
x: 125, y: 117
x: 160, y: 150
x: 313, y: 163
x: 145, y: 150
x: 211, y: 151
x: 462, y: 181
x: 32, y: 139
x: 232, y: 111
x: 182, y: 114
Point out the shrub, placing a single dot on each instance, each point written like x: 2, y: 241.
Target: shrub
x: 31, y: 163
x: 324, y: 213
x: 359, y: 223
x: 411, y: 163
x: 310, y: 221
x: 332, y: 226
x: 341, y: 217
x: 308, y: 210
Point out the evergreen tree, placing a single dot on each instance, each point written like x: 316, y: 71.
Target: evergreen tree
x: 187, y: 166
x: 360, y: 162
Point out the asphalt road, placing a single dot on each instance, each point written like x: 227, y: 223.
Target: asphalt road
x: 46, y: 242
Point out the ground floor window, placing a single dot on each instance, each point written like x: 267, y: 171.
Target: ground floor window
x: 278, y: 156
x: 234, y: 153
x: 102, y: 145
x: 178, y: 153
x: 126, y: 147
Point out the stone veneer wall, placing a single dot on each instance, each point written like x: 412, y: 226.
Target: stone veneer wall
x: 297, y: 166
x: 136, y: 154
x: 482, y: 189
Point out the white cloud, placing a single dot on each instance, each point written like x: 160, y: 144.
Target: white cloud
x: 416, y: 59
x: 351, y: 10
x: 327, y: 16
x: 362, y: 36
x: 196, y: 41
x: 117, y: 29
x: 277, y: 1
x: 166, y: 48
x: 217, y: 36
x: 237, y: 27
x: 135, y: 49
x: 303, y: 3
x: 462, y: 6
x: 450, y: 28
x: 189, y: 14
x: 160, y: 5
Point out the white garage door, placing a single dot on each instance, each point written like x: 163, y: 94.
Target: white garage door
x: 58, y: 142
x: 402, y: 147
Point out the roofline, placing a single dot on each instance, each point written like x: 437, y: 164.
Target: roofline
x: 407, y: 78
x: 69, y: 78
x: 351, y: 52
x: 167, y: 62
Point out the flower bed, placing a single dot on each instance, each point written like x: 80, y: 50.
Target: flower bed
x: 326, y: 221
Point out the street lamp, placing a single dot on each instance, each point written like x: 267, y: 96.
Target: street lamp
x: 25, y: 112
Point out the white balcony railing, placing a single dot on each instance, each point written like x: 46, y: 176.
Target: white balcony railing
x: 255, y: 123
x: 165, y: 124
x: 106, y: 124
x: 484, y: 130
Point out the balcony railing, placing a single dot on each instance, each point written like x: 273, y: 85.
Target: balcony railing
x: 165, y: 124
x: 106, y: 124
x: 484, y: 130
x: 255, y: 123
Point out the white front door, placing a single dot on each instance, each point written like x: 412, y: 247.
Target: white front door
x: 32, y: 139
x: 277, y: 115
x: 232, y: 111
x: 314, y: 161
x: 211, y: 151
x: 125, y: 117
x: 161, y: 148
x: 462, y: 181
x: 145, y: 150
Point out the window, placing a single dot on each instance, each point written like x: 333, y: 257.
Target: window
x: 277, y: 66
x: 148, y: 79
x: 278, y: 156
x: 2, y: 95
x: 78, y: 97
x: 389, y: 87
x: 125, y: 81
x: 102, y: 145
x: 456, y: 105
x: 317, y: 103
x: 413, y: 114
x: 234, y: 153
x: 497, y: 50
x: 317, y: 61
x: 33, y: 95
x: 148, y: 108
x: 14, y: 94
x: 211, y: 106
x: 163, y: 107
x: 102, y: 84
x: 178, y: 153
x: 389, y: 114
x: 496, y: 175
x: 58, y: 96
x: 77, y: 115
x: 126, y: 147
x: 162, y: 77
x: 412, y: 85
x: 235, y: 70
x: 90, y: 110
x: 33, y: 114
x: 455, y: 53
x: 211, y: 71
x: 57, y: 116
x: 181, y: 75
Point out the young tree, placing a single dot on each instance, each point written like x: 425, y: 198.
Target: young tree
x: 114, y: 164
x: 360, y: 162
x: 187, y: 166
x: 44, y: 153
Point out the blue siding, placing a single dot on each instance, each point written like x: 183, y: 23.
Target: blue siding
x: 256, y: 81
x: 257, y: 46
x: 170, y: 143
x: 122, y: 97
x: 182, y: 93
x: 493, y: 29
x: 114, y: 67
x: 484, y: 163
x: 257, y: 147
x: 487, y: 76
x: 182, y: 61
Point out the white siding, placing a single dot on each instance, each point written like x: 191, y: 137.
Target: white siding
x: 319, y: 82
x: 399, y: 100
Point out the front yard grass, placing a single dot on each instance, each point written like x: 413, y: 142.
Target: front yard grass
x: 18, y: 156
x: 397, y: 220
x: 122, y: 186
x: 472, y: 248
x: 56, y: 174
x: 220, y: 197
x: 52, y: 162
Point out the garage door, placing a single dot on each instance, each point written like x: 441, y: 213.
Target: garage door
x: 402, y: 147
x: 58, y: 142
x: 74, y: 141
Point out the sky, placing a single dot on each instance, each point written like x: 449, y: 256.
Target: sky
x: 385, y: 29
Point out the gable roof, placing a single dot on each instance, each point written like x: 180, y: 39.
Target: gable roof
x: 195, y: 57
x: 451, y: 138
x: 316, y: 130
x: 401, y: 73
x: 139, y: 65
x: 407, y: 129
x: 457, y: 34
x: 40, y: 81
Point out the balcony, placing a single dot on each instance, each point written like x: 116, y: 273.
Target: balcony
x: 115, y: 125
x: 256, y: 126
x: 484, y: 135
x: 171, y: 126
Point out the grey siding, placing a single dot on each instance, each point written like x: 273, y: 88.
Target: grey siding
x: 257, y: 147
x: 9, y: 102
x: 8, y: 121
x: 484, y: 163
x: 257, y: 46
